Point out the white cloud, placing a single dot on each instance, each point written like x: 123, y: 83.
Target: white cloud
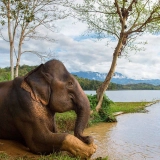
x: 90, y: 55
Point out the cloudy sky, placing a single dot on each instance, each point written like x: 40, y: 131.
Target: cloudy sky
x: 82, y: 53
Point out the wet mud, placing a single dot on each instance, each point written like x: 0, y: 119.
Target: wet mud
x: 16, y: 149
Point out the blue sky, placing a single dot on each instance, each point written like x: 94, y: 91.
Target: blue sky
x: 80, y: 53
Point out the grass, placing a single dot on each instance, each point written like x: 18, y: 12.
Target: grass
x: 4, y: 156
x: 55, y: 156
x: 58, y: 156
x: 65, y: 121
x: 128, y: 107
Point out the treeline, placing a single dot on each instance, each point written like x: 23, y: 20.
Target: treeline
x: 86, y: 84
x: 23, y: 70
x: 140, y: 86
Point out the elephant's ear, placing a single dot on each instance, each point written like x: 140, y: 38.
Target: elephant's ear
x: 37, y: 84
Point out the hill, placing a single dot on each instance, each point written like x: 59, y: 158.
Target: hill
x: 118, y: 78
x: 91, y: 80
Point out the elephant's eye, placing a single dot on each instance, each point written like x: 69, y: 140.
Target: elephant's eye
x: 70, y: 84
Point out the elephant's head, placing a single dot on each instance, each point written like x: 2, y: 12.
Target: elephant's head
x: 53, y: 86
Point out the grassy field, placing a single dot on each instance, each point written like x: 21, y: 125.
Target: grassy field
x: 128, y: 107
x: 58, y: 156
x: 65, y: 123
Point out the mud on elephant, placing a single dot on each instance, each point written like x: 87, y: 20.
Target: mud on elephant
x: 28, y: 105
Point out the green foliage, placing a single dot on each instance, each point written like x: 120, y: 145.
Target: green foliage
x: 3, y: 156
x: 4, y: 74
x: 128, y: 107
x: 65, y: 121
x: 108, y: 18
x: 23, y: 70
x: 103, y: 115
x: 87, y: 84
x: 58, y: 156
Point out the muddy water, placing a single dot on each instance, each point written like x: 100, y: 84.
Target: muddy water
x: 134, y: 137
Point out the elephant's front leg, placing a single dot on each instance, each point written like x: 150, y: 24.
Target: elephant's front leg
x: 75, y: 146
x: 62, y: 142
x: 41, y: 140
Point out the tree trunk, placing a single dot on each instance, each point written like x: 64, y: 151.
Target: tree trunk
x: 11, y: 60
x: 101, y: 90
x: 19, y: 53
x: 18, y: 59
x: 11, y: 39
x: 17, y: 67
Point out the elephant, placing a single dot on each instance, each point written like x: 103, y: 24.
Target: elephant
x: 28, y: 105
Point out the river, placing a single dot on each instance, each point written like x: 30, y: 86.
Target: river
x: 134, y: 137
x: 131, y: 95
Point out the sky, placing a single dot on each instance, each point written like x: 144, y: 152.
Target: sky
x: 84, y: 53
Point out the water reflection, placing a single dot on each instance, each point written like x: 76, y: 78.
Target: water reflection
x: 135, y: 136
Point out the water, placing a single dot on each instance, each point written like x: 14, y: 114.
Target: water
x: 134, y: 137
x: 131, y: 95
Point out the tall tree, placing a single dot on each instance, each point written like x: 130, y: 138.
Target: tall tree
x: 23, y: 19
x: 124, y: 20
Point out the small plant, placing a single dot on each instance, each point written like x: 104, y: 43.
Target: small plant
x: 4, y: 156
x: 104, y: 113
x: 66, y: 121
x: 58, y: 156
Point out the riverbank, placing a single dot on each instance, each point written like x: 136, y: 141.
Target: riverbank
x: 65, y: 122
x: 130, y: 107
x: 133, y: 137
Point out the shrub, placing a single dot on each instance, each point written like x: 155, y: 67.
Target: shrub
x: 104, y: 113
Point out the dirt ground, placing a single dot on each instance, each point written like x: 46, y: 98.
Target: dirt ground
x: 15, y: 149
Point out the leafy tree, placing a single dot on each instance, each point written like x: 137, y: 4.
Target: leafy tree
x: 23, y: 19
x: 123, y: 20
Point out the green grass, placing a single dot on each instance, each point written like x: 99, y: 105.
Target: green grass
x: 58, y: 156
x: 4, y: 156
x: 65, y: 121
x: 55, y: 156
x: 128, y: 107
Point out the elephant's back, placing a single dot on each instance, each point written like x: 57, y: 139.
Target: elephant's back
x: 5, y: 88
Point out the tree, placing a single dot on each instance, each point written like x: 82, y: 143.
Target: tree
x: 123, y: 20
x: 23, y: 18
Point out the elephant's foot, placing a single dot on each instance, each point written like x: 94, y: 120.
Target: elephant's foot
x: 75, y: 146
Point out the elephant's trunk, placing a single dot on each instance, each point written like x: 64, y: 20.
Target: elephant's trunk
x: 83, y: 114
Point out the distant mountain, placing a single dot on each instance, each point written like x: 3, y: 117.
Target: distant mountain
x: 118, y: 78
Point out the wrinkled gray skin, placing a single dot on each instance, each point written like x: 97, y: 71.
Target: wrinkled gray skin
x: 28, y: 105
